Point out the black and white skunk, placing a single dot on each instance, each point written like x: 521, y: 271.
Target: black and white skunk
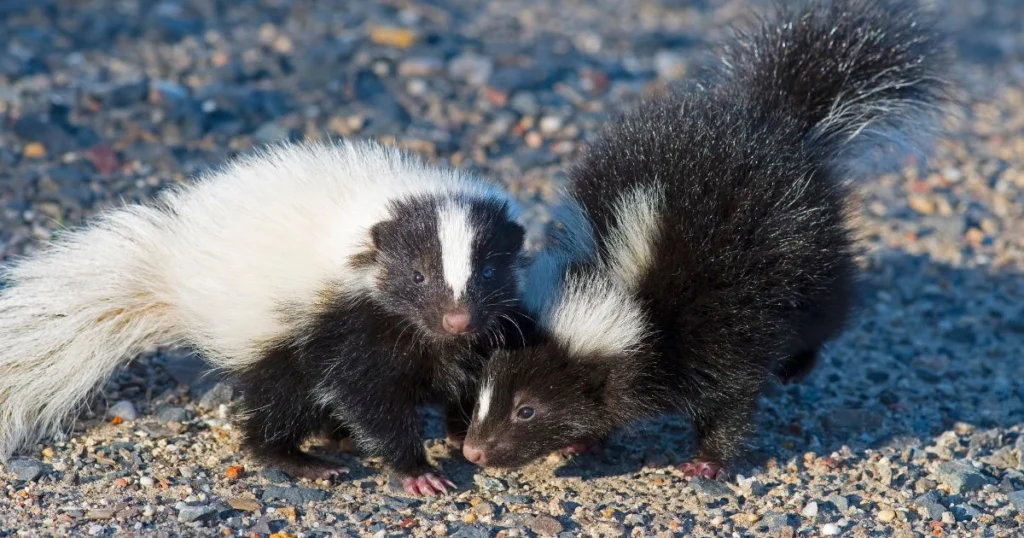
x: 718, y: 253
x: 340, y: 285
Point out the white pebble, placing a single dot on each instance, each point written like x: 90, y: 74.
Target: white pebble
x: 810, y: 510
x: 94, y: 530
x: 147, y: 511
x: 830, y: 529
x: 550, y: 124
x: 947, y: 518
x: 146, y: 482
x: 123, y: 409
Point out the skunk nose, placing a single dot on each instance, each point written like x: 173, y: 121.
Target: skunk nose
x: 474, y: 454
x: 456, y: 322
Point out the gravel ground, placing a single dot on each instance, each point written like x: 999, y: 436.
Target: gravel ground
x: 913, y: 425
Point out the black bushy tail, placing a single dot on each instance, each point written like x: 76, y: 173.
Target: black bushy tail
x: 847, y: 70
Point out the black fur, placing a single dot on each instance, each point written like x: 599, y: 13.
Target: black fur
x: 366, y: 362
x: 753, y: 268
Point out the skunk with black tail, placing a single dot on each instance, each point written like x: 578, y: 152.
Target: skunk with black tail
x: 712, y: 249
x: 340, y: 285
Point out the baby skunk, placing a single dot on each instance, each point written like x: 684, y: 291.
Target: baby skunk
x: 339, y: 285
x: 718, y: 253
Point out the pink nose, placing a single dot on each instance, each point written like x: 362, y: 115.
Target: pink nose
x: 456, y: 322
x: 474, y: 454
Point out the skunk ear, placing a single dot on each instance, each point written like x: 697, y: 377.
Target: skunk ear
x: 380, y: 232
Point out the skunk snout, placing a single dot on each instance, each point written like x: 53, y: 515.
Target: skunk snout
x: 456, y: 322
x: 474, y: 454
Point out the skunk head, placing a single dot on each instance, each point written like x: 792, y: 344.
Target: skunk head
x: 574, y: 387
x: 447, y: 263
x: 535, y: 401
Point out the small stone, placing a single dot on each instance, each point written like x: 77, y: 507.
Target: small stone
x: 234, y: 472
x: 472, y: 531
x: 669, y: 65
x: 243, y: 504
x: 146, y: 482
x: 420, y: 66
x: 887, y: 516
x: 471, y: 68
x: 95, y: 530
x: 172, y: 414
x: 488, y: 483
x: 544, y: 525
x: 710, y: 490
x: 48, y: 452
x: 195, y: 513
x: 778, y: 523
x: 275, y: 476
x: 961, y: 477
x: 810, y: 510
x: 1017, y: 500
x: 25, y: 469
x: 123, y: 410
x: 294, y: 495
x: 100, y: 513
x: 830, y: 529
x: 219, y: 394
x: 34, y: 150
x: 270, y: 132
x: 390, y: 36
x: 922, y: 205
x: 948, y: 518
x: 483, y: 509
x: 550, y: 124
x: 840, y: 501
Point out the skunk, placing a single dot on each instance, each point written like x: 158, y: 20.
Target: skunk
x: 710, y: 250
x: 339, y: 285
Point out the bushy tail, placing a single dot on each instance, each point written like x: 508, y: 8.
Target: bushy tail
x: 847, y: 70
x: 73, y: 313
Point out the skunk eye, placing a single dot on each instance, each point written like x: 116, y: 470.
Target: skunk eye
x: 524, y: 413
x: 488, y: 273
x: 417, y: 277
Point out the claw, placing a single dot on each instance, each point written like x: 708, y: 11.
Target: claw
x: 703, y: 469
x: 426, y: 485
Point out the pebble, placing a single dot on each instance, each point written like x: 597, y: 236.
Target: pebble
x: 294, y: 495
x: 471, y: 68
x: 830, y: 529
x: 246, y: 505
x: 393, y: 37
x: 711, y: 489
x: 1017, y: 500
x: 25, y: 469
x: 195, y: 513
x: 172, y: 414
x: 488, y: 483
x: 961, y: 477
x: 472, y: 531
x: 550, y: 124
x: 146, y: 482
x: 123, y: 410
x: 544, y: 525
x: 421, y: 66
x: 100, y: 513
x: 669, y: 65
x: 887, y: 516
x: 810, y: 510
x: 220, y: 394
x: 777, y: 523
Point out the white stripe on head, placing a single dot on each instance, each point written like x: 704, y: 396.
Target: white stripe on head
x: 456, y: 235
x: 484, y: 401
x: 630, y: 245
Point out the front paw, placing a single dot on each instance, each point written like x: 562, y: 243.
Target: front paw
x: 703, y: 469
x: 428, y: 484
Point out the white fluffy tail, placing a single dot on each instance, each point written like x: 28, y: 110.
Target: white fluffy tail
x: 70, y: 315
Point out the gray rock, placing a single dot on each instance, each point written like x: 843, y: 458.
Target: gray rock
x: 123, y: 409
x: 471, y: 68
x: 219, y: 394
x: 778, y: 523
x: 25, y: 469
x: 669, y: 64
x: 400, y: 503
x: 928, y: 506
x: 525, y: 103
x: 961, y: 477
x: 544, y: 525
x: 294, y: 495
x: 275, y: 476
x: 488, y: 483
x: 472, y: 531
x: 196, y: 513
x: 513, y: 499
x: 856, y: 420
x: 1017, y: 500
x: 841, y: 503
x: 711, y: 490
x: 172, y: 414
x: 156, y: 430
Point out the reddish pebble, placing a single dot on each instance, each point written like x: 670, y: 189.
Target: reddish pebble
x: 103, y: 159
x: 234, y: 472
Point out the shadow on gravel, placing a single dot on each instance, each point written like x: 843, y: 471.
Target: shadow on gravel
x: 934, y: 348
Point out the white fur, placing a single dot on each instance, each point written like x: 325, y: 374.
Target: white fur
x: 484, y: 401
x: 212, y: 264
x: 594, y: 315
x: 630, y: 244
x: 456, y: 235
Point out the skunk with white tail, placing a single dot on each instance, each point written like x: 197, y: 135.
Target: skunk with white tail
x: 715, y: 251
x: 340, y: 285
